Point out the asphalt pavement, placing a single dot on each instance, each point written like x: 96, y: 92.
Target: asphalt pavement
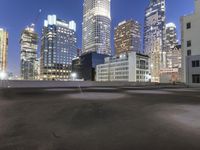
x: 100, y: 119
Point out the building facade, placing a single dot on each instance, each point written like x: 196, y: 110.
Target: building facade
x: 190, y: 47
x: 3, y: 50
x: 154, y: 36
x: 127, y: 37
x: 174, y: 57
x: 29, y: 45
x: 171, y: 36
x: 129, y: 67
x: 59, y: 47
x: 85, y: 65
x: 96, y: 26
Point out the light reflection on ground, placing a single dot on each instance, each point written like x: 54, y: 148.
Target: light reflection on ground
x: 183, y: 116
x: 148, y: 92
x: 96, y: 96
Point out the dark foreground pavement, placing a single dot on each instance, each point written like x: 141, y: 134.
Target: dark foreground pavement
x: 100, y: 119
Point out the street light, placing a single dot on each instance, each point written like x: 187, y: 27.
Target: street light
x: 74, y: 76
x: 3, y: 75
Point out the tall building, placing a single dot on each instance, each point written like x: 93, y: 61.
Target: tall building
x: 128, y: 37
x: 154, y: 36
x: 96, y: 26
x: 3, y: 50
x: 29, y: 45
x: 190, y: 29
x: 171, y: 36
x: 59, y: 47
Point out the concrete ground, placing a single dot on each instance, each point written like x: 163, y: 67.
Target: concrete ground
x: 100, y: 119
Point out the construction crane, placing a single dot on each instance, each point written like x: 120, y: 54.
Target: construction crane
x: 36, y: 18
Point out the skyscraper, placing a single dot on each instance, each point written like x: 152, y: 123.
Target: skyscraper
x: 3, y: 50
x: 171, y: 36
x: 59, y: 47
x: 29, y: 45
x: 128, y: 37
x: 96, y: 26
x: 154, y: 36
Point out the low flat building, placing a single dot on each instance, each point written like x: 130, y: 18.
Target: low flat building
x: 171, y: 72
x: 85, y: 66
x: 170, y: 75
x: 131, y: 67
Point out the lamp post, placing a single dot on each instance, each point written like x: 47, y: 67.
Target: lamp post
x: 3, y: 75
x: 74, y: 76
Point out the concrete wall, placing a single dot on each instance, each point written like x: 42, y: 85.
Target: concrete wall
x: 70, y: 84
x: 192, y: 34
x: 192, y: 70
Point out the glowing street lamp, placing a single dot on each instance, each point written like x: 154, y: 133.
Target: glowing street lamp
x: 3, y: 75
x: 74, y: 76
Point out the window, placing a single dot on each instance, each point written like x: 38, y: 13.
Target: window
x: 188, y: 25
x: 196, y: 63
x: 189, y: 52
x: 189, y: 43
x: 196, y: 78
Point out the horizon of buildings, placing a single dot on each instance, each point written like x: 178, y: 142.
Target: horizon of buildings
x: 58, y: 47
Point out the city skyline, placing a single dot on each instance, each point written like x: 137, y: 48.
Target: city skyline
x: 67, y: 10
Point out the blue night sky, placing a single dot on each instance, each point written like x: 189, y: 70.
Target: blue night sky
x: 15, y: 15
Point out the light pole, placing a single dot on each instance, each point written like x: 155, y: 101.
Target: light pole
x: 74, y: 76
x: 2, y: 78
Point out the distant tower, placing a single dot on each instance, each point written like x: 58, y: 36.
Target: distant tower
x: 96, y: 26
x: 154, y: 36
x: 29, y: 45
x: 3, y: 50
x: 59, y: 47
x: 171, y: 36
x: 128, y: 37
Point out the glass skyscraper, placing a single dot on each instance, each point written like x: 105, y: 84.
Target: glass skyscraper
x: 3, y: 50
x: 154, y: 36
x: 29, y: 45
x: 59, y: 47
x: 96, y: 26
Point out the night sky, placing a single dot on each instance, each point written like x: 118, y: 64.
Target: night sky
x: 15, y: 15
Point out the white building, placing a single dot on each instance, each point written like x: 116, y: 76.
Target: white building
x: 131, y: 67
x: 190, y: 27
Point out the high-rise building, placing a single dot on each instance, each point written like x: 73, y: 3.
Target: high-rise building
x: 171, y: 36
x: 96, y: 26
x: 190, y: 39
x: 29, y: 45
x: 128, y: 37
x: 59, y: 47
x: 154, y: 36
x: 3, y: 50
